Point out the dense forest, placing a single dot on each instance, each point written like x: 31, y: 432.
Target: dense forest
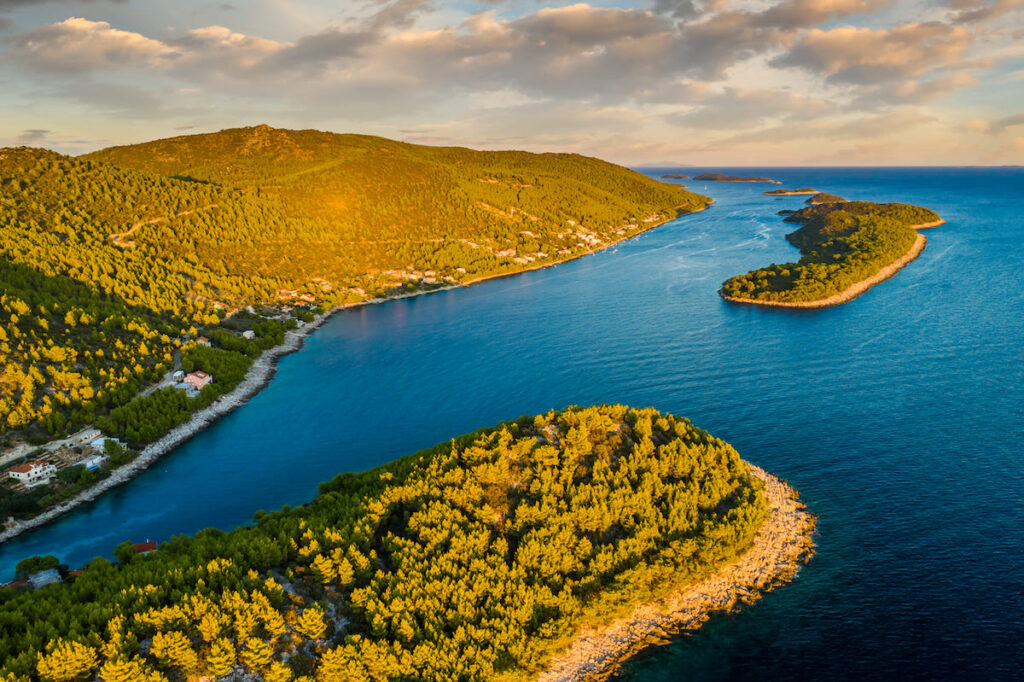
x: 474, y: 560
x: 841, y: 244
x: 108, y: 261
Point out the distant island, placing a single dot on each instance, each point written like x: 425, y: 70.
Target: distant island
x: 718, y: 177
x: 485, y: 557
x: 148, y: 288
x: 790, y: 192
x: 846, y: 249
x: 825, y: 198
x: 674, y: 176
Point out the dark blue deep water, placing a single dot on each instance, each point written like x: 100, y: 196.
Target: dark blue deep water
x: 899, y: 416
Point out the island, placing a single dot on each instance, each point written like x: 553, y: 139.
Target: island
x: 846, y: 248
x: 149, y: 288
x: 674, y: 176
x: 790, y: 192
x: 718, y: 177
x: 825, y: 198
x: 495, y: 555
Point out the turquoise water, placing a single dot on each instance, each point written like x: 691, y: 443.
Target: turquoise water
x: 899, y: 416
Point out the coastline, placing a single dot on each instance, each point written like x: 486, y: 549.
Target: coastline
x: 256, y: 378
x: 856, y: 289
x: 782, y: 544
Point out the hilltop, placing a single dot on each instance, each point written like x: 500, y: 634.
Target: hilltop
x: 114, y: 263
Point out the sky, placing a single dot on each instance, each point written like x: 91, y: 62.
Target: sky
x: 647, y: 82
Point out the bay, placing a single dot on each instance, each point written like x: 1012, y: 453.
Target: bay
x: 899, y: 417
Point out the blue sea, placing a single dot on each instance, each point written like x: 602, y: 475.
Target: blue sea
x: 899, y: 417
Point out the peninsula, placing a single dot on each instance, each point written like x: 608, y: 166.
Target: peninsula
x: 481, y: 558
x: 846, y: 249
x: 825, y: 198
x: 143, y: 283
x: 718, y: 177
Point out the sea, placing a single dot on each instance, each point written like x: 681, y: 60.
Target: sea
x: 899, y: 417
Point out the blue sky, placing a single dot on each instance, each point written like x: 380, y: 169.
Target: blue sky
x: 657, y: 81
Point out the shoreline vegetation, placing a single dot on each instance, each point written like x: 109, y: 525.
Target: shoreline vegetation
x: 479, y: 558
x: 783, y: 543
x: 259, y: 374
x: 847, y: 248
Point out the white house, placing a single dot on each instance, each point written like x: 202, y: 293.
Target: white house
x: 94, y: 462
x: 179, y: 375
x: 99, y: 445
x: 33, y: 473
x: 249, y: 334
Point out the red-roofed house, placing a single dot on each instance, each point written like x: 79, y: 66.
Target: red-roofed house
x: 33, y: 473
x: 203, y: 341
x: 197, y: 379
x: 145, y: 547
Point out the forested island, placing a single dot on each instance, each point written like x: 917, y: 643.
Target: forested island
x: 478, y: 559
x: 199, y: 253
x: 718, y: 177
x: 674, y: 176
x: 790, y: 192
x: 846, y: 247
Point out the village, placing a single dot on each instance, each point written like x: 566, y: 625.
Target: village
x: 53, y: 471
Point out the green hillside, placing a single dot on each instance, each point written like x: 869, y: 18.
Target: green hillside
x: 107, y: 260
x: 841, y: 243
x: 474, y: 560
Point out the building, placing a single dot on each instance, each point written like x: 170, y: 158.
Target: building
x: 33, y: 473
x: 145, y: 547
x: 44, y: 578
x: 190, y: 390
x: 178, y: 376
x: 94, y: 462
x: 197, y: 379
x: 249, y: 334
x: 203, y: 341
x: 100, y: 444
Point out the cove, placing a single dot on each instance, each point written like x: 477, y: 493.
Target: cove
x: 898, y: 417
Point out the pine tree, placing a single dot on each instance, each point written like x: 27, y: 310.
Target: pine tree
x: 66, y: 662
x: 311, y: 624
x: 257, y: 654
x: 221, y: 658
x: 278, y: 672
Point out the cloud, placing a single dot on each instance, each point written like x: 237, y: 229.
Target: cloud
x: 734, y: 108
x: 914, y: 91
x: 77, y: 44
x: 996, y: 127
x: 12, y: 4
x: 870, y: 56
x: 33, y: 136
x: 980, y: 11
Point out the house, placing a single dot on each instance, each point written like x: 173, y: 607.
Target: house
x: 178, y: 376
x: 203, y: 341
x: 33, y: 473
x: 144, y: 548
x: 190, y: 390
x: 100, y: 444
x: 44, y: 578
x: 94, y: 462
x: 249, y: 334
x: 198, y: 379
x: 309, y: 298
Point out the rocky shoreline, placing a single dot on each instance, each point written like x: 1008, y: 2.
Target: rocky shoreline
x: 856, y: 289
x: 782, y: 544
